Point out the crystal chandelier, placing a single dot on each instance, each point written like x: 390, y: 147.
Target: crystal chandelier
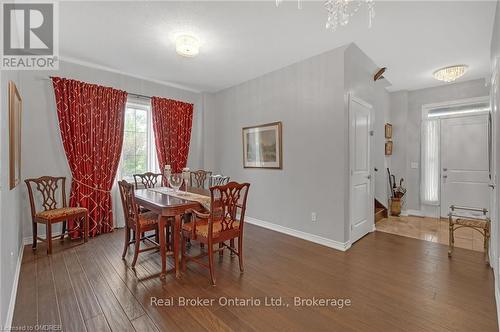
x: 340, y: 11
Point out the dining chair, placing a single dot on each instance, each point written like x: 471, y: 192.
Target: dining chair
x: 217, y: 180
x: 52, y: 210
x: 223, y: 223
x: 148, y: 180
x: 136, y: 221
x: 199, y: 177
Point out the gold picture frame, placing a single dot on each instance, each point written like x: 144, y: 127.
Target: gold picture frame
x: 262, y: 146
x: 388, y: 131
x: 388, y: 148
x: 15, y: 118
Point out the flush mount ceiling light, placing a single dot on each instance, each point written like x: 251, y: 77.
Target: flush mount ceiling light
x: 450, y: 74
x: 187, y: 45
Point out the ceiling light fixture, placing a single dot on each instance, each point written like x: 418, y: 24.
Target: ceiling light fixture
x: 187, y: 45
x: 340, y: 11
x: 450, y: 74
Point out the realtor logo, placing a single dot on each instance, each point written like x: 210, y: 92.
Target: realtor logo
x: 29, y: 36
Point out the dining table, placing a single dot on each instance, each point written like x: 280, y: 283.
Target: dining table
x: 170, y: 208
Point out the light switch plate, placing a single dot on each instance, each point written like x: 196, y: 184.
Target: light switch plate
x: 414, y: 165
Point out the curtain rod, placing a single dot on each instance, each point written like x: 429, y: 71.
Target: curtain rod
x: 129, y: 93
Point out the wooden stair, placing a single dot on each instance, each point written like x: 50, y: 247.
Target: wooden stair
x: 380, y: 211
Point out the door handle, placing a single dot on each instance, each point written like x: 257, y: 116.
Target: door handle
x: 492, y: 186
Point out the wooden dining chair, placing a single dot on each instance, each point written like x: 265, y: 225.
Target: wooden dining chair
x: 136, y: 221
x: 224, y: 223
x: 148, y: 180
x: 54, y: 210
x: 217, y: 180
x: 199, y: 178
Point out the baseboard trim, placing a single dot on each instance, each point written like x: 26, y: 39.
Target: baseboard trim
x: 497, y: 299
x: 342, y: 246
x: 29, y: 239
x: 416, y: 213
x: 13, y: 293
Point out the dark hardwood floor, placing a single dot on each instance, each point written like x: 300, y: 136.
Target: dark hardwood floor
x: 394, y: 284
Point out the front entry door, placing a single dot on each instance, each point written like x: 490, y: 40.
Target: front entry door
x: 465, y: 162
x: 361, y: 189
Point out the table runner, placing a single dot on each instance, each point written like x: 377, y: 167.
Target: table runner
x: 202, y: 199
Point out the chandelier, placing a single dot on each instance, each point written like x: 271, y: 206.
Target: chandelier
x: 340, y: 11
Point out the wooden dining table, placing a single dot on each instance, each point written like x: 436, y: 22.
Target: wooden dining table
x: 170, y: 209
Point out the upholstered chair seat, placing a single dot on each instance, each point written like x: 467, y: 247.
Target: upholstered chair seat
x: 60, y: 213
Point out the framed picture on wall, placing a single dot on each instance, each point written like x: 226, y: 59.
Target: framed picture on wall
x: 262, y: 146
x: 388, y: 148
x: 388, y: 131
x: 15, y: 115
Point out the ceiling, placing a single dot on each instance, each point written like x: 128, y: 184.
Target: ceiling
x: 243, y: 40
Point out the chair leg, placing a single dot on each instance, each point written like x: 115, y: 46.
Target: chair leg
x: 136, y: 249
x: 35, y: 231
x: 240, y: 252
x: 127, y: 240
x: 183, y: 253
x: 221, y: 252
x: 486, y: 245
x: 231, y: 244
x: 63, y: 229
x: 143, y: 234
x: 211, y: 263
x: 48, y: 236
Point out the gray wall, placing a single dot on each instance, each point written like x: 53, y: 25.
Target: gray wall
x: 10, y: 212
x: 406, y: 113
x: 359, y: 71
x: 308, y: 97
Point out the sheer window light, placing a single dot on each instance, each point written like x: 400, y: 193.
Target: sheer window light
x: 430, y: 161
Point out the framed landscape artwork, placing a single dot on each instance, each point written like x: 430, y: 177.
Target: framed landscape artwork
x: 262, y: 146
x: 15, y: 115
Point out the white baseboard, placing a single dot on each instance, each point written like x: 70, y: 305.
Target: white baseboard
x: 343, y: 246
x: 29, y: 239
x: 496, y: 271
x: 13, y: 293
x: 416, y: 213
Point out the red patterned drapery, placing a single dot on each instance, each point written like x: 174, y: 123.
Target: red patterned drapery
x: 91, y: 120
x: 172, y: 121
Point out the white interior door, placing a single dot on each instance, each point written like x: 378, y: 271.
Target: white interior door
x: 361, y: 189
x: 465, y: 162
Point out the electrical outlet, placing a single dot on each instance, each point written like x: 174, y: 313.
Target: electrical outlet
x: 313, y: 217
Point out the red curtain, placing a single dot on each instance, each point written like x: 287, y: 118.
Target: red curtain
x: 172, y: 121
x: 91, y: 120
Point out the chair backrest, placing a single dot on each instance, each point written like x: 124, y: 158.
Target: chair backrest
x: 130, y: 208
x: 47, y: 187
x: 228, y: 205
x: 148, y: 180
x: 217, y: 180
x: 199, y: 177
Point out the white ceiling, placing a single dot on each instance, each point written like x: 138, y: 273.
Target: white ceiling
x: 243, y: 40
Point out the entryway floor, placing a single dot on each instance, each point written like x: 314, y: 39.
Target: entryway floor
x: 430, y: 229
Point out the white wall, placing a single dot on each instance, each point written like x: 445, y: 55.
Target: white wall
x: 406, y: 112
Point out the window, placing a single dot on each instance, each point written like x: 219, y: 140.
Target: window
x: 139, y: 152
x: 430, y: 161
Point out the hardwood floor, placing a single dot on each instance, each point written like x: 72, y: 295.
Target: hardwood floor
x: 431, y: 229
x: 394, y: 284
